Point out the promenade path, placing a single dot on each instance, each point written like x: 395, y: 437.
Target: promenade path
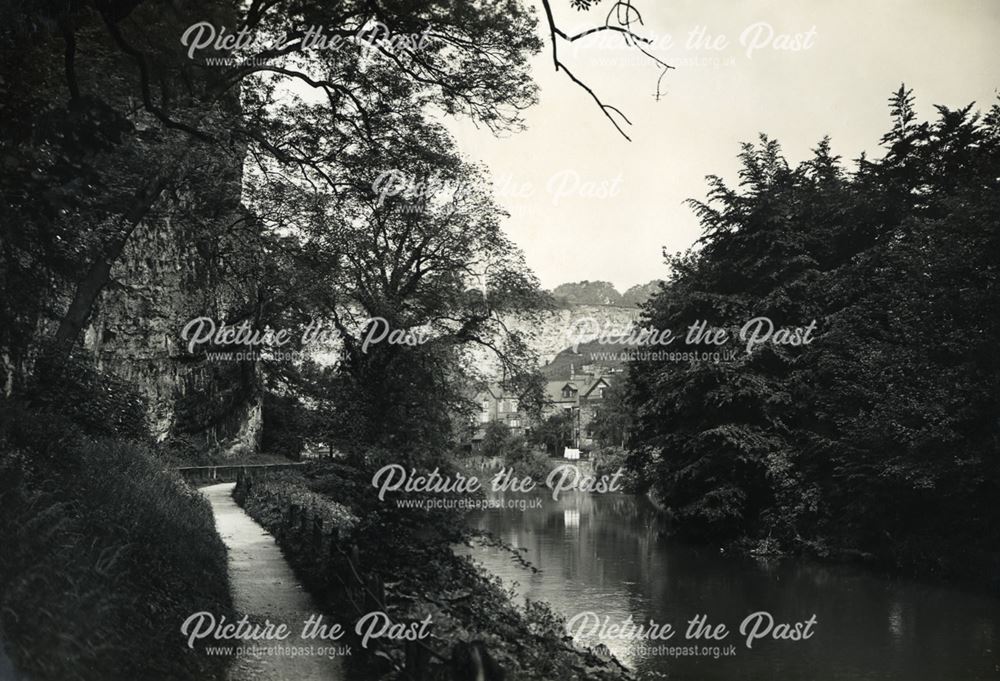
x: 264, y: 587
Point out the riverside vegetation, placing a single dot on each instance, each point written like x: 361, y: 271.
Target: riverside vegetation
x: 403, y: 560
x: 877, y: 441
x: 104, y: 551
x: 142, y: 189
x: 787, y: 449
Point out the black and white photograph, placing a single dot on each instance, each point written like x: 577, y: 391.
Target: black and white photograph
x: 499, y: 340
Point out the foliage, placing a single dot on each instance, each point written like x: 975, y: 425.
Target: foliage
x: 105, y: 113
x: 610, y: 460
x: 104, y: 554
x: 879, y: 437
x: 496, y: 438
x: 555, y: 433
x: 640, y: 293
x: 286, y: 423
x: 99, y: 404
x: 407, y: 279
x: 410, y: 549
x: 611, y: 425
x: 587, y: 293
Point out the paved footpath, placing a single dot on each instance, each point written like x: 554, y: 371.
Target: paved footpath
x: 264, y: 586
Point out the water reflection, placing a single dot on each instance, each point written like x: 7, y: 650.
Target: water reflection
x: 603, y: 553
x: 571, y: 518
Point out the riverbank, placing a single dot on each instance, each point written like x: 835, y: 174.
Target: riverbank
x: 402, y: 562
x: 606, y: 554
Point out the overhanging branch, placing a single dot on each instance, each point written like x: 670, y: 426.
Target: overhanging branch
x: 626, y: 14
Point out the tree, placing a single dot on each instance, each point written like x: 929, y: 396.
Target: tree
x: 555, y: 432
x: 410, y: 277
x: 619, y: 20
x: 613, y: 420
x: 877, y: 438
x: 166, y: 70
x: 638, y: 295
x: 496, y: 439
x: 473, y: 64
x: 587, y: 293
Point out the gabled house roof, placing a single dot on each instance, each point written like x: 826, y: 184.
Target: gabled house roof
x: 582, y: 386
x: 495, y: 391
x: 600, y: 382
x: 554, y: 390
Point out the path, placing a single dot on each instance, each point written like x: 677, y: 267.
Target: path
x: 264, y: 586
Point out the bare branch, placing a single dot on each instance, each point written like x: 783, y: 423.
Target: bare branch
x: 626, y: 13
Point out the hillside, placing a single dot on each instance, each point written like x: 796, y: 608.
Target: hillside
x: 559, y: 328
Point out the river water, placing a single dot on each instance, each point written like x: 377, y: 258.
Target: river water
x: 604, y: 554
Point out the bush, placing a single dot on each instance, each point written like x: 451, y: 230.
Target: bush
x: 185, y: 450
x: 99, y: 404
x: 610, y: 460
x: 410, y: 551
x: 104, y: 556
x: 496, y: 440
x: 285, y: 420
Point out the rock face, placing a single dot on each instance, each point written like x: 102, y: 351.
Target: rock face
x: 559, y: 329
x: 179, y: 265
x: 565, y: 326
x: 194, y: 254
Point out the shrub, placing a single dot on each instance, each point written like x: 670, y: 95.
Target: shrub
x: 610, y: 460
x: 410, y: 550
x: 104, y: 556
x: 99, y: 404
x: 285, y: 420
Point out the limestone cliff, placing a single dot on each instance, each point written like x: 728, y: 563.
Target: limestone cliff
x: 174, y: 271
x: 559, y: 329
x: 194, y: 255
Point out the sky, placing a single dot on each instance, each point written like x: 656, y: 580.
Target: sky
x: 585, y: 203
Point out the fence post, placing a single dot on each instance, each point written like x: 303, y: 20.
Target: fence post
x: 317, y: 537
x: 293, y: 519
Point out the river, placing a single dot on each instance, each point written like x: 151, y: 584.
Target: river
x: 604, y: 554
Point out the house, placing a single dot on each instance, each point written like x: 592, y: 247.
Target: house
x: 581, y: 395
x: 497, y: 404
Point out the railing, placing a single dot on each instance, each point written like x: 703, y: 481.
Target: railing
x: 209, y: 475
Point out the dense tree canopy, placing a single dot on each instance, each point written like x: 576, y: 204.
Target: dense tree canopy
x: 413, y: 244
x: 107, y: 114
x: 879, y: 437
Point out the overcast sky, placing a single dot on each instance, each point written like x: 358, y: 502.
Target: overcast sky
x: 550, y: 176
